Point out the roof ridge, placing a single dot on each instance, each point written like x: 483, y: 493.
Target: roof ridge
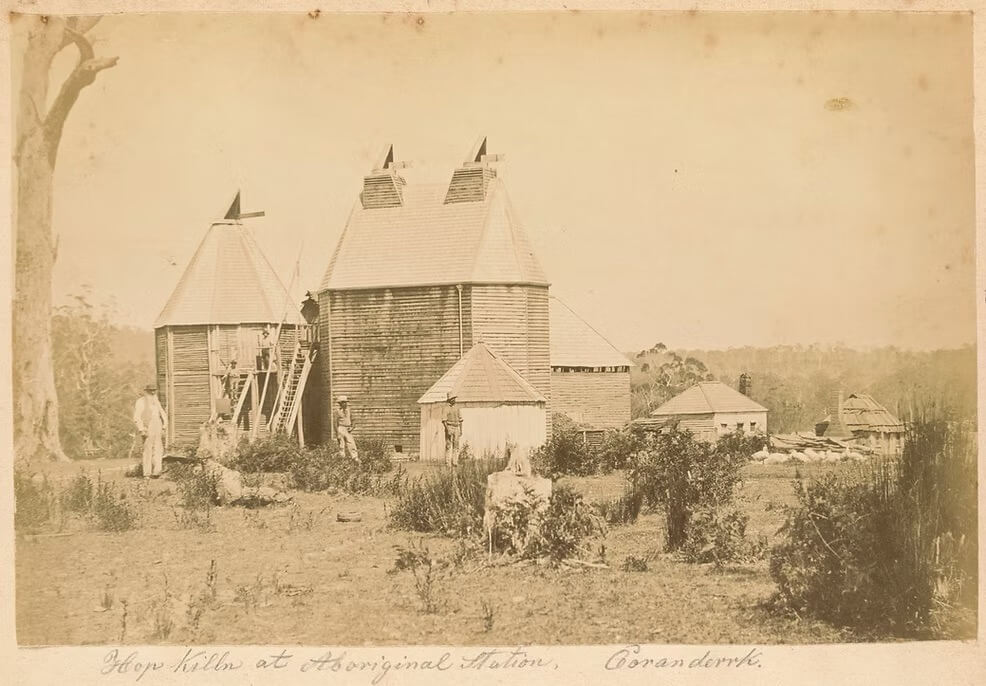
x: 253, y: 247
x: 594, y: 330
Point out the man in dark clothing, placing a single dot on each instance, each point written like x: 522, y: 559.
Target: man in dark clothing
x: 452, y: 420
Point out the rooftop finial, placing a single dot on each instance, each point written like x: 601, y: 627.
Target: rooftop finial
x: 234, y: 213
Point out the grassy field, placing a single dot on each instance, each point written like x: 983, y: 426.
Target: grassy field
x: 293, y: 574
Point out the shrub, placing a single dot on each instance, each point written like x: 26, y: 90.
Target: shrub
x: 198, y: 488
x: 565, y: 453
x: 374, y: 455
x: 34, y: 501
x: 680, y: 474
x: 447, y: 501
x: 625, y: 509
x: 273, y: 453
x: 566, y: 522
x: 110, y: 509
x: 78, y: 496
x: 890, y: 547
x: 617, y: 449
x: 556, y: 532
x: 719, y: 536
x: 323, y: 468
x: 425, y: 570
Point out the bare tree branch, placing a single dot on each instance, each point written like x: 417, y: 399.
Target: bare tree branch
x: 84, y: 74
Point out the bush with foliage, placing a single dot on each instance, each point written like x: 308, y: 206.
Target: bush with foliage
x: 528, y: 529
x: 889, y: 547
x: 624, y: 509
x: 618, y: 448
x: 374, y: 455
x: 718, y: 535
x: 446, y: 501
x: 681, y: 474
x: 565, y: 453
x: 273, y: 453
x: 198, y: 488
x: 35, y: 501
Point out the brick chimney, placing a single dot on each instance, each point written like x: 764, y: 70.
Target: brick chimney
x: 470, y: 181
x: 745, y: 384
x: 384, y: 187
x: 837, y: 427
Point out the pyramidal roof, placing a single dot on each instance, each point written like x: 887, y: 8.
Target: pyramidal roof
x: 574, y: 343
x: 708, y: 397
x: 228, y: 281
x: 861, y: 412
x: 482, y: 376
x: 425, y: 240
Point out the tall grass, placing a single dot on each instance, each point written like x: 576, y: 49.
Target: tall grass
x: 446, y: 501
x: 889, y: 547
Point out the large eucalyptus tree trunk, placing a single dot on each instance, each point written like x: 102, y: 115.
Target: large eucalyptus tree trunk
x: 38, y: 134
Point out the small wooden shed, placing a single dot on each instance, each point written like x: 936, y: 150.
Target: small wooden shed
x: 499, y: 407
x: 224, y: 301
x: 711, y: 409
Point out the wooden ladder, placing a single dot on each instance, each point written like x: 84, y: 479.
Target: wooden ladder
x: 289, y: 396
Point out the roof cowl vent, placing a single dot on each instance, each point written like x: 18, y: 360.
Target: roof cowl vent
x: 384, y: 187
x: 471, y: 181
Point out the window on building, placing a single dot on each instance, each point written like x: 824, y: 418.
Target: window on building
x: 739, y: 426
x: 724, y: 427
x: 753, y: 426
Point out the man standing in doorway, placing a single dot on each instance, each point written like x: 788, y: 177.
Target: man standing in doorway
x: 452, y: 419
x: 344, y: 429
x: 151, y: 423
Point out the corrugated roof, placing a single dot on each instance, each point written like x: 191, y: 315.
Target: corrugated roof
x: 481, y: 376
x: 228, y: 281
x: 428, y: 242
x: 708, y: 397
x: 574, y: 343
x: 861, y: 412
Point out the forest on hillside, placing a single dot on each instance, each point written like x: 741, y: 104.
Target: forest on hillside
x: 101, y: 366
x: 796, y: 383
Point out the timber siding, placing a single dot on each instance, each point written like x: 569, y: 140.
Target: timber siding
x: 600, y: 400
x: 384, y: 348
x: 190, y: 402
x: 513, y: 321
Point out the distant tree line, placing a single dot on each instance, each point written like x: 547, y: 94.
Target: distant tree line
x: 797, y: 383
x: 100, y: 368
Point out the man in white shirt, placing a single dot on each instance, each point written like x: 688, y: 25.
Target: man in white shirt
x: 151, y: 423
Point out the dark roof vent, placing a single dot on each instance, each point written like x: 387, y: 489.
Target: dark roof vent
x: 470, y: 181
x: 384, y: 187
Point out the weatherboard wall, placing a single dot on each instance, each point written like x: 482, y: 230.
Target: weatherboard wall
x: 598, y: 400
x: 383, y: 348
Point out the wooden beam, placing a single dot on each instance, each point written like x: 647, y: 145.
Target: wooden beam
x: 301, y: 422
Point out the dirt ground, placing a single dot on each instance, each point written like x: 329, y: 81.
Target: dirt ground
x: 292, y: 574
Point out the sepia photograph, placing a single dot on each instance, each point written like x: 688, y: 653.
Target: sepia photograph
x: 622, y: 328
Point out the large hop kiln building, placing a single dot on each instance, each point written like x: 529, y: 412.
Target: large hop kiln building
x: 420, y: 275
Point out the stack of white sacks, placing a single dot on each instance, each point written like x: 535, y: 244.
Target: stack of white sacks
x: 806, y: 456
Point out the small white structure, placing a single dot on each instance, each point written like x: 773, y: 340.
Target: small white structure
x: 499, y: 407
x: 711, y: 409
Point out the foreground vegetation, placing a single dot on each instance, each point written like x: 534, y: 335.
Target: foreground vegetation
x: 884, y: 551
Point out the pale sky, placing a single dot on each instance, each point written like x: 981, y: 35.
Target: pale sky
x: 707, y: 180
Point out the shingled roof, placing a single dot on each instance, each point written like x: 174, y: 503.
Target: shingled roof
x: 861, y: 412
x: 708, y: 397
x: 428, y: 241
x: 481, y: 376
x: 574, y: 343
x: 228, y: 281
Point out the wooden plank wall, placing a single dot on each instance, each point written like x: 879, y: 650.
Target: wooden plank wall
x: 600, y: 400
x: 386, y: 348
x: 190, y: 380
x: 161, y: 364
x: 486, y: 428
x: 513, y: 321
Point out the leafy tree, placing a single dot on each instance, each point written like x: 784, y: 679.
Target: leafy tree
x: 680, y: 474
x: 96, y: 385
